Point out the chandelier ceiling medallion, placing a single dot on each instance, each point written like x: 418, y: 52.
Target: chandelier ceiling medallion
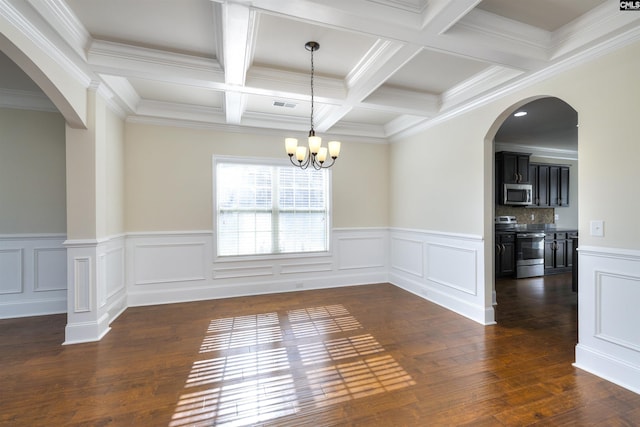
x: 316, y: 154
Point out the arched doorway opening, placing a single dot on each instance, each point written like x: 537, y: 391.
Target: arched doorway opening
x: 544, y: 140
x: 33, y: 280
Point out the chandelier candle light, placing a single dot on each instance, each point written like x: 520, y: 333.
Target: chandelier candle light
x: 317, y: 154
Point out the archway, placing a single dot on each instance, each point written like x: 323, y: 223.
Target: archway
x: 547, y: 138
x: 66, y: 92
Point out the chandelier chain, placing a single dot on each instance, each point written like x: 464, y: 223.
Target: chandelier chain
x: 312, y: 72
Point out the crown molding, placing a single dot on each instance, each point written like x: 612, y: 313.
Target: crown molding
x: 589, y: 28
x: 522, y: 36
x: 23, y: 20
x: 58, y: 14
x: 107, y: 57
x: 401, y: 123
x: 126, y: 94
x: 244, y: 129
x: 417, y: 7
x: 551, y: 153
x: 381, y: 52
x: 484, y: 81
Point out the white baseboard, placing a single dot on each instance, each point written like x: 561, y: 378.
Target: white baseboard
x: 611, y: 369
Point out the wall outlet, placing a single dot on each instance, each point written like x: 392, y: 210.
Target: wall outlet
x: 596, y: 228
x: 556, y: 217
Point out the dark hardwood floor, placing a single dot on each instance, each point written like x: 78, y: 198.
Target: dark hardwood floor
x: 363, y: 356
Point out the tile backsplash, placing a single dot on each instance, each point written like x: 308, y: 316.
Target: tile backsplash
x: 524, y: 215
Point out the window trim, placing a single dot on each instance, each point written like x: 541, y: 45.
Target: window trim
x: 266, y: 161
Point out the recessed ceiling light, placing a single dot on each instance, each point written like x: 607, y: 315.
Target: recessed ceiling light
x: 520, y: 113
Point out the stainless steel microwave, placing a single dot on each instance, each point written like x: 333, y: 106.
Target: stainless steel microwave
x: 517, y: 194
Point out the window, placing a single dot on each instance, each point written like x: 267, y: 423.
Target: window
x: 264, y: 207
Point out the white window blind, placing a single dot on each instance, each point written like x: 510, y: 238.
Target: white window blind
x: 270, y: 209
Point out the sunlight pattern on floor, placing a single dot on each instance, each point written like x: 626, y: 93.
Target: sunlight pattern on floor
x: 235, y: 332
x: 337, y: 349
x: 272, y: 365
x: 358, y: 379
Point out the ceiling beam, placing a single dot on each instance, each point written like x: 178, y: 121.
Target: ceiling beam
x: 238, y: 26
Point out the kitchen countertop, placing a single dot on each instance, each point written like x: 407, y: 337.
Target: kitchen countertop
x: 550, y: 228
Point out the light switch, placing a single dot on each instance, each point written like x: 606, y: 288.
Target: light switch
x: 597, y: 228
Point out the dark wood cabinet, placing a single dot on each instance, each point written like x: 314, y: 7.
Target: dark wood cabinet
x: 550, y: 184
x: 505, y: 254
x: 539, y: 174
x: 563, y: 186
x: 513, y: 168
x: 558, y: 252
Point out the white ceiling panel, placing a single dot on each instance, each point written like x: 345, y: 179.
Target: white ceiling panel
x: 435, y: 72
x: 281, y: 44
x: 546, y: 14
x: 184, y: 26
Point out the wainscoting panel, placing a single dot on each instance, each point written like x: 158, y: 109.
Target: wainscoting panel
x: 114, y: 271
x: 407, y: 254
x: 352, y: 254
x: 50, y: 273
x: 83, y: 284
x: 175, y: 267
x: 617, y: 297
x: 11, y: 271
x: 242, y: 272
x: 440, y: 258
x: 608, y: 315
x: 169, y: 262
x: 33, y: 275
x: 447, y: 269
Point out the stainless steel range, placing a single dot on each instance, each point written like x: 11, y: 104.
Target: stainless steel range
x: 529, y: 254
x: 529, y: 246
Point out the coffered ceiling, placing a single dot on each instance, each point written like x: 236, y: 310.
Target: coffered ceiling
x: 385, y: 68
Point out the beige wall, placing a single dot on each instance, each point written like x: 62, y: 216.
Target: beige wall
x: 437, y: 177
x: 441, y: 178
x: 168, y: 177
x: 114, y: 174
x: 32, y: 172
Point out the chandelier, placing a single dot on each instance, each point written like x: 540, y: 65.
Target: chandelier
x: 316, y: 154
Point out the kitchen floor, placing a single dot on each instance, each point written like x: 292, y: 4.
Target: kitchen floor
x: 537, y: 298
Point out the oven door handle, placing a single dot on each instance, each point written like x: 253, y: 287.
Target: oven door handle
x: 527, y: 235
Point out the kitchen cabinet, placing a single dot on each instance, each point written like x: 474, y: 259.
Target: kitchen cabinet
x: 558, y: 252
x: 558, y: 185
x: 505, y: 254
x: 539, y: 174
x: 512, y: 168
x: 550, y: 185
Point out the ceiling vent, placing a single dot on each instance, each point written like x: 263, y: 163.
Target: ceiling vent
x: 284, y: 104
